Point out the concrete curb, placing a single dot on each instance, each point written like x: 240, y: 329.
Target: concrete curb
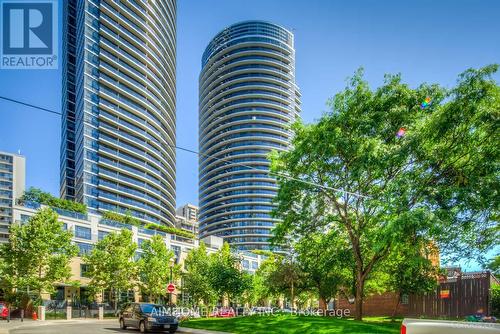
x: 29, y: 324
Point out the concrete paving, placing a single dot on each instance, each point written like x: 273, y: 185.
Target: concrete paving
x: 77, y: 327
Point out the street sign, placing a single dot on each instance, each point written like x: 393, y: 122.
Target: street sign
x: 170, y: 288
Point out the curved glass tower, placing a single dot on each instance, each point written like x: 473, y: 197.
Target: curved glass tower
x: 118, y: 129
x: 248, y: 100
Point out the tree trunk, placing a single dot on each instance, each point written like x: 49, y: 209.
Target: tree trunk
x: 322, y: 305
x: 360, y: 286
x: 396, y: 308
x: 292, y: 295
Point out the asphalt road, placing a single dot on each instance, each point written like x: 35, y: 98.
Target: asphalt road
x: 105, y: 326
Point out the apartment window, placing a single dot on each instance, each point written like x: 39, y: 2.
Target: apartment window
x: 177, y: 252
x: 84, y: 248
x: 25, y: 218
x: 83, y: 232
x: 101, y: 234
x: 255, y: 265
x: 246, y: 264
x: 84, y: 268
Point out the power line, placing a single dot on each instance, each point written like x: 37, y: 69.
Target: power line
x: 30, y: 105
x: 211, y: 156
x: 269, y: 172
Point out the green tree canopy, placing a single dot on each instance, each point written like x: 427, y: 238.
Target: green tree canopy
x: 154, y: 268
x: 111, y: 264
x: 196, y: 277
x: 37, y: 255
x: 225, y: 275
x: 387, y: 168
x: 326, y: 263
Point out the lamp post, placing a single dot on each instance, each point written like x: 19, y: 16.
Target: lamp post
x: 171, y: 265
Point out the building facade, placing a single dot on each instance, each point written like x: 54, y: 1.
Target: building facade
x: 12, y: 184
x: 248, y: 101
x: 187, y: 218
x: 118, y: 125
x: 90, y: 228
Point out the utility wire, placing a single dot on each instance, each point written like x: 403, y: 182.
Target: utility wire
x: 211, y: 156
x: 30, y: 105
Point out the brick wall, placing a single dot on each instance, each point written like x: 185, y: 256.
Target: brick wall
x: 376, y: 305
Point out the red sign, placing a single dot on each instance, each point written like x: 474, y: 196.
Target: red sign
x: 170, y: 288
x: 445, y: 294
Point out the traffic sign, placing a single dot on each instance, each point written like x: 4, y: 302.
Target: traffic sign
x: 170, y: 288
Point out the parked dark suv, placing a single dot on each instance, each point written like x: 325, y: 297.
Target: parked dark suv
x: 147, y: 317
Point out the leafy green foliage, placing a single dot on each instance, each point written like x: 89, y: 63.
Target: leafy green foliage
x: 495, y: 300
x: 154, y: 268
x: 494, y: 265
x: 410, y: 271
x: 111, y: 264
x: 439, y: 181
x: 226, y: 278
x: 39, y: 196
x: 126, y: 218
x: 281, y: 276
x: 210, y: 278
x: 37, y: 255
x: 170, y: 230
x: 325, y: 261
x: 195, y: 279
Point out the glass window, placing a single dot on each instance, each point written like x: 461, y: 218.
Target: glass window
x: 101, y: 234
x: 83, y: 232
x: 84, y: 268
x: 84, y: 248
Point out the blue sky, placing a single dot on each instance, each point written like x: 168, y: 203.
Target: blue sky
x: 426, y: 41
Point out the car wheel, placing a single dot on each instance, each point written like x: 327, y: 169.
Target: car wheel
x: 142, y: 327
x: 122, y: 324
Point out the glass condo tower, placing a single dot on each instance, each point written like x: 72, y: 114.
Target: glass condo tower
x: 118, y: 125
x: 247, y: 100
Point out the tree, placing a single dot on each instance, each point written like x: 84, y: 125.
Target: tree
x: 387, y: 167
x: 111, y: 264
x: 494, y: 265
x: 153, y: 268
x: 195, y: 279
x: 410, y: 271
x: 283, y: 276
x: 225, y: 276
x: 325, y: 262
x: 37, y: 255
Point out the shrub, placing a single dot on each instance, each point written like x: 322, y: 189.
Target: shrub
x: 170, y: 230
x: 126, y: 218
x: 42, y: 197
x: 495, y: 300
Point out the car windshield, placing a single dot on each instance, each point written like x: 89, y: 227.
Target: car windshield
x: 152, y: 308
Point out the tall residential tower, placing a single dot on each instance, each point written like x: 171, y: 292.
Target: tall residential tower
x: 248, y: 100
x: 118, y: 129
x: 12, y: 183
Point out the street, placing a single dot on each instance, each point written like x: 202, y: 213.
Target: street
x: 82, y: 327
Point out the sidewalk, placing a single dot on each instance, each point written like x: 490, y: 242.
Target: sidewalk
x: 6, y: 327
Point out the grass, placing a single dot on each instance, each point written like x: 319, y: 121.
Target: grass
x: 281, y: 324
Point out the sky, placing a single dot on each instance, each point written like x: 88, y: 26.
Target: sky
x: 424, y: 40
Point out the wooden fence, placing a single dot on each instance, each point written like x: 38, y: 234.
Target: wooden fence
x: 457, y: 297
